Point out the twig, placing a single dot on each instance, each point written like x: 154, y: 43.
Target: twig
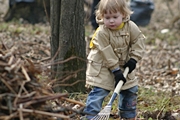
x: 44, y: 59
x: 167, y: 2
x: 44, y: 113
x: 64, y: 61
x: 73, y: 101
x: 17, y: 68
x: 25, y: 74
x: 19, y: 93
x: 9, y: 117
x: 73, y: 75
x: 20, y: 112
x: 68, y: 84
x: 162, y: 109
x: 160, y: 112
x: 46, y: 11
x: 3, y: 64
x: 10, y: 60
x: 4, y: 45
x: 9, y: 87
x: 42, y: 99
x: 7, y: 108
x: 9, y: 69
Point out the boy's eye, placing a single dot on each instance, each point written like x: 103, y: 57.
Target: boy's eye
x: 107, y: 18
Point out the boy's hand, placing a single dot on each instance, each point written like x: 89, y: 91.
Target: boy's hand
x: 131, y: 64
x: 119, y: 76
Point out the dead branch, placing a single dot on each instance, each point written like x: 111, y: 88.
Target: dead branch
x: 44, y: 113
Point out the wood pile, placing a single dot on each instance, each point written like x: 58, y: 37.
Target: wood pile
x: 22, y: 97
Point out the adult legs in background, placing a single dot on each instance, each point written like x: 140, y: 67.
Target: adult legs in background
x: 93, y: 17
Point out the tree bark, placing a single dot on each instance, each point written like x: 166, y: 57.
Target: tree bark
x: 68, y: 44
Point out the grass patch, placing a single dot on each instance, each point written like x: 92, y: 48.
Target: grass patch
x: 17, y: 28
x: 155, y: 104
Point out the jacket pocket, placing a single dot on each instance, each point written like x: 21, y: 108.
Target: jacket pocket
x: 93, y: 68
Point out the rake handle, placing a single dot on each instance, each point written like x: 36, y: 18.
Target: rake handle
x: 120, y: 83
x: 118, y: 88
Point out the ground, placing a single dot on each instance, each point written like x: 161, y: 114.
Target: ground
x: 158, y: 71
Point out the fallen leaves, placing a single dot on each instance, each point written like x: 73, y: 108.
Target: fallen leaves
x: 22, y: 95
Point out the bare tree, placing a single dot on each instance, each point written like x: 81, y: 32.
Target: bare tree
x: 68, y: 44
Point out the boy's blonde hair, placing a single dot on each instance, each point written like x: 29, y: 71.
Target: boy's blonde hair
x: 112, y: 6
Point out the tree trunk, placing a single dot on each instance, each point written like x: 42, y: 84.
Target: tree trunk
x: 68, y: 44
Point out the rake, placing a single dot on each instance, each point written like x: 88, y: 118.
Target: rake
x: 104, y: 114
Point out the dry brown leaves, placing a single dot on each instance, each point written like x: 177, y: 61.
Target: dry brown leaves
x: 159, y: 68
x: 22, y: 94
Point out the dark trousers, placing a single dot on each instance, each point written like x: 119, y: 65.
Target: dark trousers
x: 93, y: 17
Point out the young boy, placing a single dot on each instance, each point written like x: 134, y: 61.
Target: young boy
x: 117, y: 43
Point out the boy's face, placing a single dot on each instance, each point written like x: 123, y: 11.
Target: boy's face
x: 112, y: 20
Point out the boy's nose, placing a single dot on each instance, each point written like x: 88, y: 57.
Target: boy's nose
x: 111, y: 20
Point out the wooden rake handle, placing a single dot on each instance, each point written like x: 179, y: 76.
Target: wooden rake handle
x: 119, y: 85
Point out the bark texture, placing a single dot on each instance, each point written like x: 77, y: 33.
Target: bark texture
x: 68, y: 44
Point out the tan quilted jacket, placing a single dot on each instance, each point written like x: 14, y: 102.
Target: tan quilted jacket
x: 112, y: 49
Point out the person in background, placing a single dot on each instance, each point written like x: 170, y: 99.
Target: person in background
x: 93, y: 17
x: 116, y: 44
x: 12, y: 2
x: 142, y: 11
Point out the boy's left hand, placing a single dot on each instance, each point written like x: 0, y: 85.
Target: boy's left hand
x: 131, y: 64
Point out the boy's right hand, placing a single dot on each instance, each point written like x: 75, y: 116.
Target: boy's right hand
x: 118, y: 75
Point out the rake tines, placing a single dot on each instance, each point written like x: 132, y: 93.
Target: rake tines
x: 104, y: 114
